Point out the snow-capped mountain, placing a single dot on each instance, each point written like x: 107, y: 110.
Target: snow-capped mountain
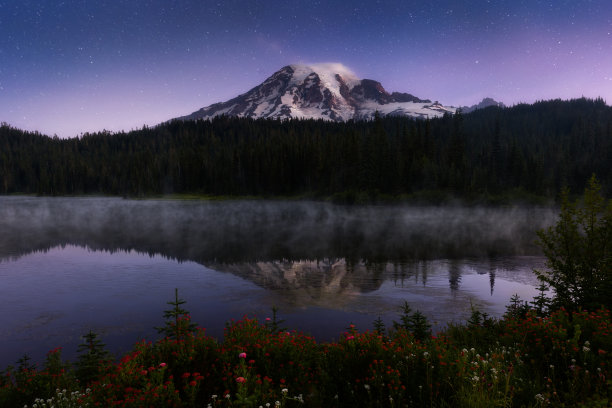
x: 322, y: 91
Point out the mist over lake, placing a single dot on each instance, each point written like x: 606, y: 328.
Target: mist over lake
x: 68, y: 265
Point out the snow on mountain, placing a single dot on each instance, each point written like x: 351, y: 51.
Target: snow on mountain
x: 328, y: 91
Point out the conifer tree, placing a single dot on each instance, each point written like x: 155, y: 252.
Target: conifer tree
x: 93, y: 358
x: 178, y: 321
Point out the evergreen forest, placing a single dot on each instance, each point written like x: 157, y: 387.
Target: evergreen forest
x: 525, y: 151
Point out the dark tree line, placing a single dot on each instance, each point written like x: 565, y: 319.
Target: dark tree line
x: 530, y: 149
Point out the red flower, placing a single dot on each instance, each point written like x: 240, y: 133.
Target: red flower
x: 241, y: 380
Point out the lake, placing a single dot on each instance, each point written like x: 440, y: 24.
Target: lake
x: 68, y: 265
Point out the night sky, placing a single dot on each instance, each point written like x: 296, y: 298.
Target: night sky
x: 68, y: 67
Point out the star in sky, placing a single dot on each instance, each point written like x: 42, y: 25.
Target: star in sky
x: 73, y: 66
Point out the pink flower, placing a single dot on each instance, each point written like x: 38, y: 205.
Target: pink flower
x: 242, y: 355
x: 268, y: 319
x: 241, y: 380
x: 350, y: 337
x: 162, y: 365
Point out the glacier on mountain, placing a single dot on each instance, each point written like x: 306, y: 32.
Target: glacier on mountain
x: 327, y: 91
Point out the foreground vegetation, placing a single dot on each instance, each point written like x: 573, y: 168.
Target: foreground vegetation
x: 521, y: 360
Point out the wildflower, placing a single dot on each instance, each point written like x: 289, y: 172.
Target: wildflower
x: 284, y: 390
x: 350, y: 337
x: 162, y: 365
x: 193, y: 383
x: 277, y: 404
x: 586, y: 349
x: 366, y: 386
x: 241, y: 380
x: 425, y: 354
x: 552, y: 367
x: 242, y: 355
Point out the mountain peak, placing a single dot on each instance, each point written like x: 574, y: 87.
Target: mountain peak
x: 328, y: 91
x: 485, y: 103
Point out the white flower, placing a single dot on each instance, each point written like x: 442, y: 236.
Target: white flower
x: 284, y: 390
x: 539, y: 397
x: 366, y: 386
x: 426, y: 354
x: 586, y: 349
x: 277, y: 403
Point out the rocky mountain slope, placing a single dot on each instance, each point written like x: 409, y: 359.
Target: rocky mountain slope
x: 322, y: 91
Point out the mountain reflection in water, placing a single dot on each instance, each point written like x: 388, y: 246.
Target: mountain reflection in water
x: 71, y: 264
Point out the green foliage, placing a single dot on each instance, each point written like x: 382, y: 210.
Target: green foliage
x: 579, y: 251
x: 416, y: 323
x: 478, y: 318
x: 541, y: 302
x: 405, y: 321
x: 275, y: 324
x: 562, y: 360
x: 379, y: 326
x: 178, y: 321
x: 521, y: 153
x: 93, y: 358
x: 517, y: 308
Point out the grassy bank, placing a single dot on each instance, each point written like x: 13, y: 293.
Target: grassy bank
x: 559, y: 360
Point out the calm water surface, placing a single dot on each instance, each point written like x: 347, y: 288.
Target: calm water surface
x: 68, y: 265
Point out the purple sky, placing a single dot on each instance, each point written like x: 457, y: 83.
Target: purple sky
x: 73, y: 66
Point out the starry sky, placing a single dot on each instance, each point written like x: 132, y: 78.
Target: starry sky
x: 75, y: 66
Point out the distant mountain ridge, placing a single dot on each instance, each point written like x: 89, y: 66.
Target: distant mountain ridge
x: 328, y: 91
x: 485, y: 103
